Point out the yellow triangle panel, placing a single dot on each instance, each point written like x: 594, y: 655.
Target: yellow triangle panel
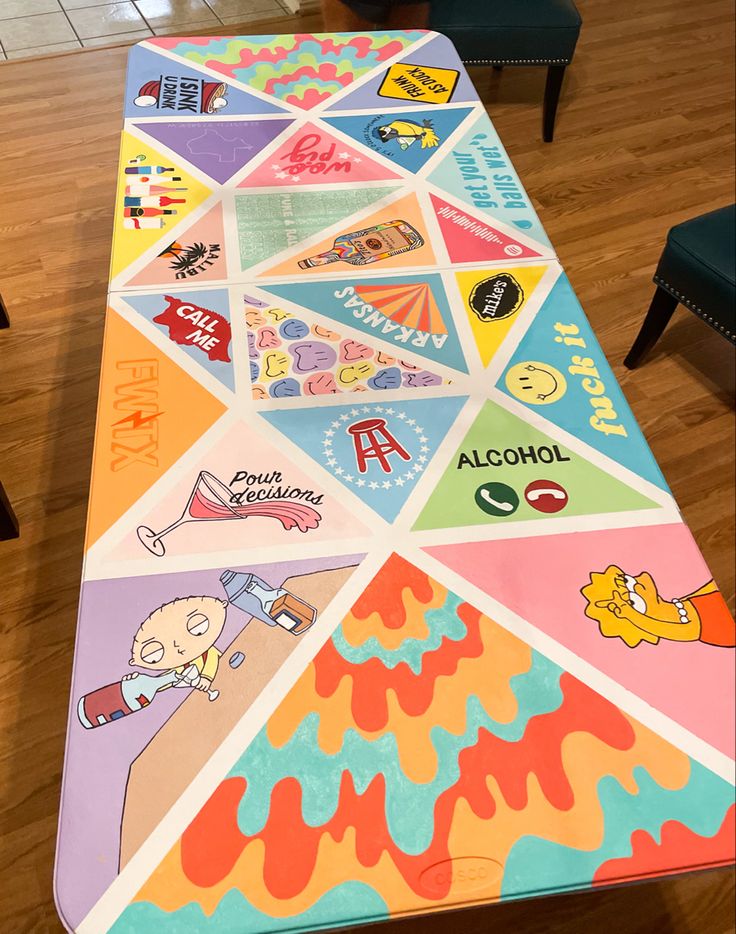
x: 493, y: 299
x: 154, y: 194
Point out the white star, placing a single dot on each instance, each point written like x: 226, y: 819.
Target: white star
x: 357, y: 159
x: 281, y: 175
x: 344, y: 417
x: 334, y: 424
x: 409, y: 475
x: 373, y: 485
x: 418, y: 430
x: 275, y: 167
x: 380, y: 408
x: 327, y: 442
x: 386, y: 484
x: 295, y: 178
x: 339, y: 471
x: 355, y: 411
x: 348, y: 478
x: 360, y: 482
x: 422, y: 459
x: 411, y: 421
x: 331, y: 462
x: 402, y: 416
x: 389, y: 411
x: 399, y: 481
x: 424, y: 449
x: 418, y: 468
x: 343, y: 155
x: 329, y: 434
x: 366, y: 409
x: 423, y: 439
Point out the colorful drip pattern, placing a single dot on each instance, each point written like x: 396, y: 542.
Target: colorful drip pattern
x: 428, y: 757
x: 304, y: 69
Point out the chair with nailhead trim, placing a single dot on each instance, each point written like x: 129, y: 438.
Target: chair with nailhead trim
x: 514, y: 32
x: 697, y: 269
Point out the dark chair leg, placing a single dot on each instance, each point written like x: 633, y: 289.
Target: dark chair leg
x: 660, y: 311
x: 4, y: 319
x: 555, y: 74
x: 8, y: 521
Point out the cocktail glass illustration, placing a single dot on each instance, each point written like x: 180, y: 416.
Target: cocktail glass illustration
x: 209, y: 499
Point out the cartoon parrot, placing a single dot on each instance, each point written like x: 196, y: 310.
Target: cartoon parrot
x: 407, y: 132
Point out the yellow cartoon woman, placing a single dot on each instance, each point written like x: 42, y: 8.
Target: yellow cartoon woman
x: 630, y: 608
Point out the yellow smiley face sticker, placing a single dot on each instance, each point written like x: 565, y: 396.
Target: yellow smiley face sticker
x: 536, y: 383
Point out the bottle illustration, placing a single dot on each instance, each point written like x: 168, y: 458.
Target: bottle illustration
x: 121, y: 698
x: 144, y: 188
x: 143, y: 223
x: 151, y: 201
x: 274, y: 606
x: 369, y: 246
x: 146, y: 212
x: 147, y: 169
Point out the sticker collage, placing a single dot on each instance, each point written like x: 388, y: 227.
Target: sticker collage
x: 386, y: 606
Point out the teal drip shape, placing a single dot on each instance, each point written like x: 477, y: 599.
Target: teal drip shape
x: 346, y: 903
x: 536, y: 865
x: 409, y: 806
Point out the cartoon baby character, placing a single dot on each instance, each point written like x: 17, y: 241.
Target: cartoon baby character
x: 180, y: 637
x: 630, y: 607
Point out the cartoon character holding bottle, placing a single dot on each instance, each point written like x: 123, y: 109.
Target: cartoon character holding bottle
x: 175, y: 645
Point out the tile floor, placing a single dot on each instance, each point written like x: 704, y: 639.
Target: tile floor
x: 37, y: 27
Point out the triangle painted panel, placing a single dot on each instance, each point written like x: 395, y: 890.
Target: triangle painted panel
x: 198, y: 322
x: 158, y: 86
x: 149, y: 413
x: 494, y: 299
x: 152, y: 195
x: 505, y: 470
x: 560, y: 371
x: 141, y: 771
x: 409, y: 139
x: 219, y: 149
x: 302, y: 70
x: 376, y: 450
x: 471, y: 240
x: 394, y: 236
x: 430, y: 75
x: 608, y: 596
x: 432, y: 733
x: 197, y: 255
x: 479, y: 172
x: 312, y: 156
x: 409, y: 312
x: 294, y: 354
x: 270, y: 223
x: 243, y: 494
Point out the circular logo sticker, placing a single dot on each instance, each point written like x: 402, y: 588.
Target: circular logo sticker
x: 497, y: 297
x: 536, y: 383
x: 546, y: 496
x: 513, y: 249
x: 497, y: 499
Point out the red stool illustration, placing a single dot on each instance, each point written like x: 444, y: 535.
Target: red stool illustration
x: 372, y: 439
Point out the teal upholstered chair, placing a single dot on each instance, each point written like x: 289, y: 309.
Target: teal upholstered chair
x: 514, y: 32
x: 697, y: 269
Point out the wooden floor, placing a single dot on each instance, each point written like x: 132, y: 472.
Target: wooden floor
x: 644, y: 140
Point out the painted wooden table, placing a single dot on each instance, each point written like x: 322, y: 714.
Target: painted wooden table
x: 372, y: 530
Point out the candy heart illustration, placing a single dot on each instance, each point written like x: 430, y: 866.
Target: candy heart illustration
x: 352, y: 350
x: 320, y: 384
x: 293, y: 329
x: 312, y: 355
x: 389, y: 378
